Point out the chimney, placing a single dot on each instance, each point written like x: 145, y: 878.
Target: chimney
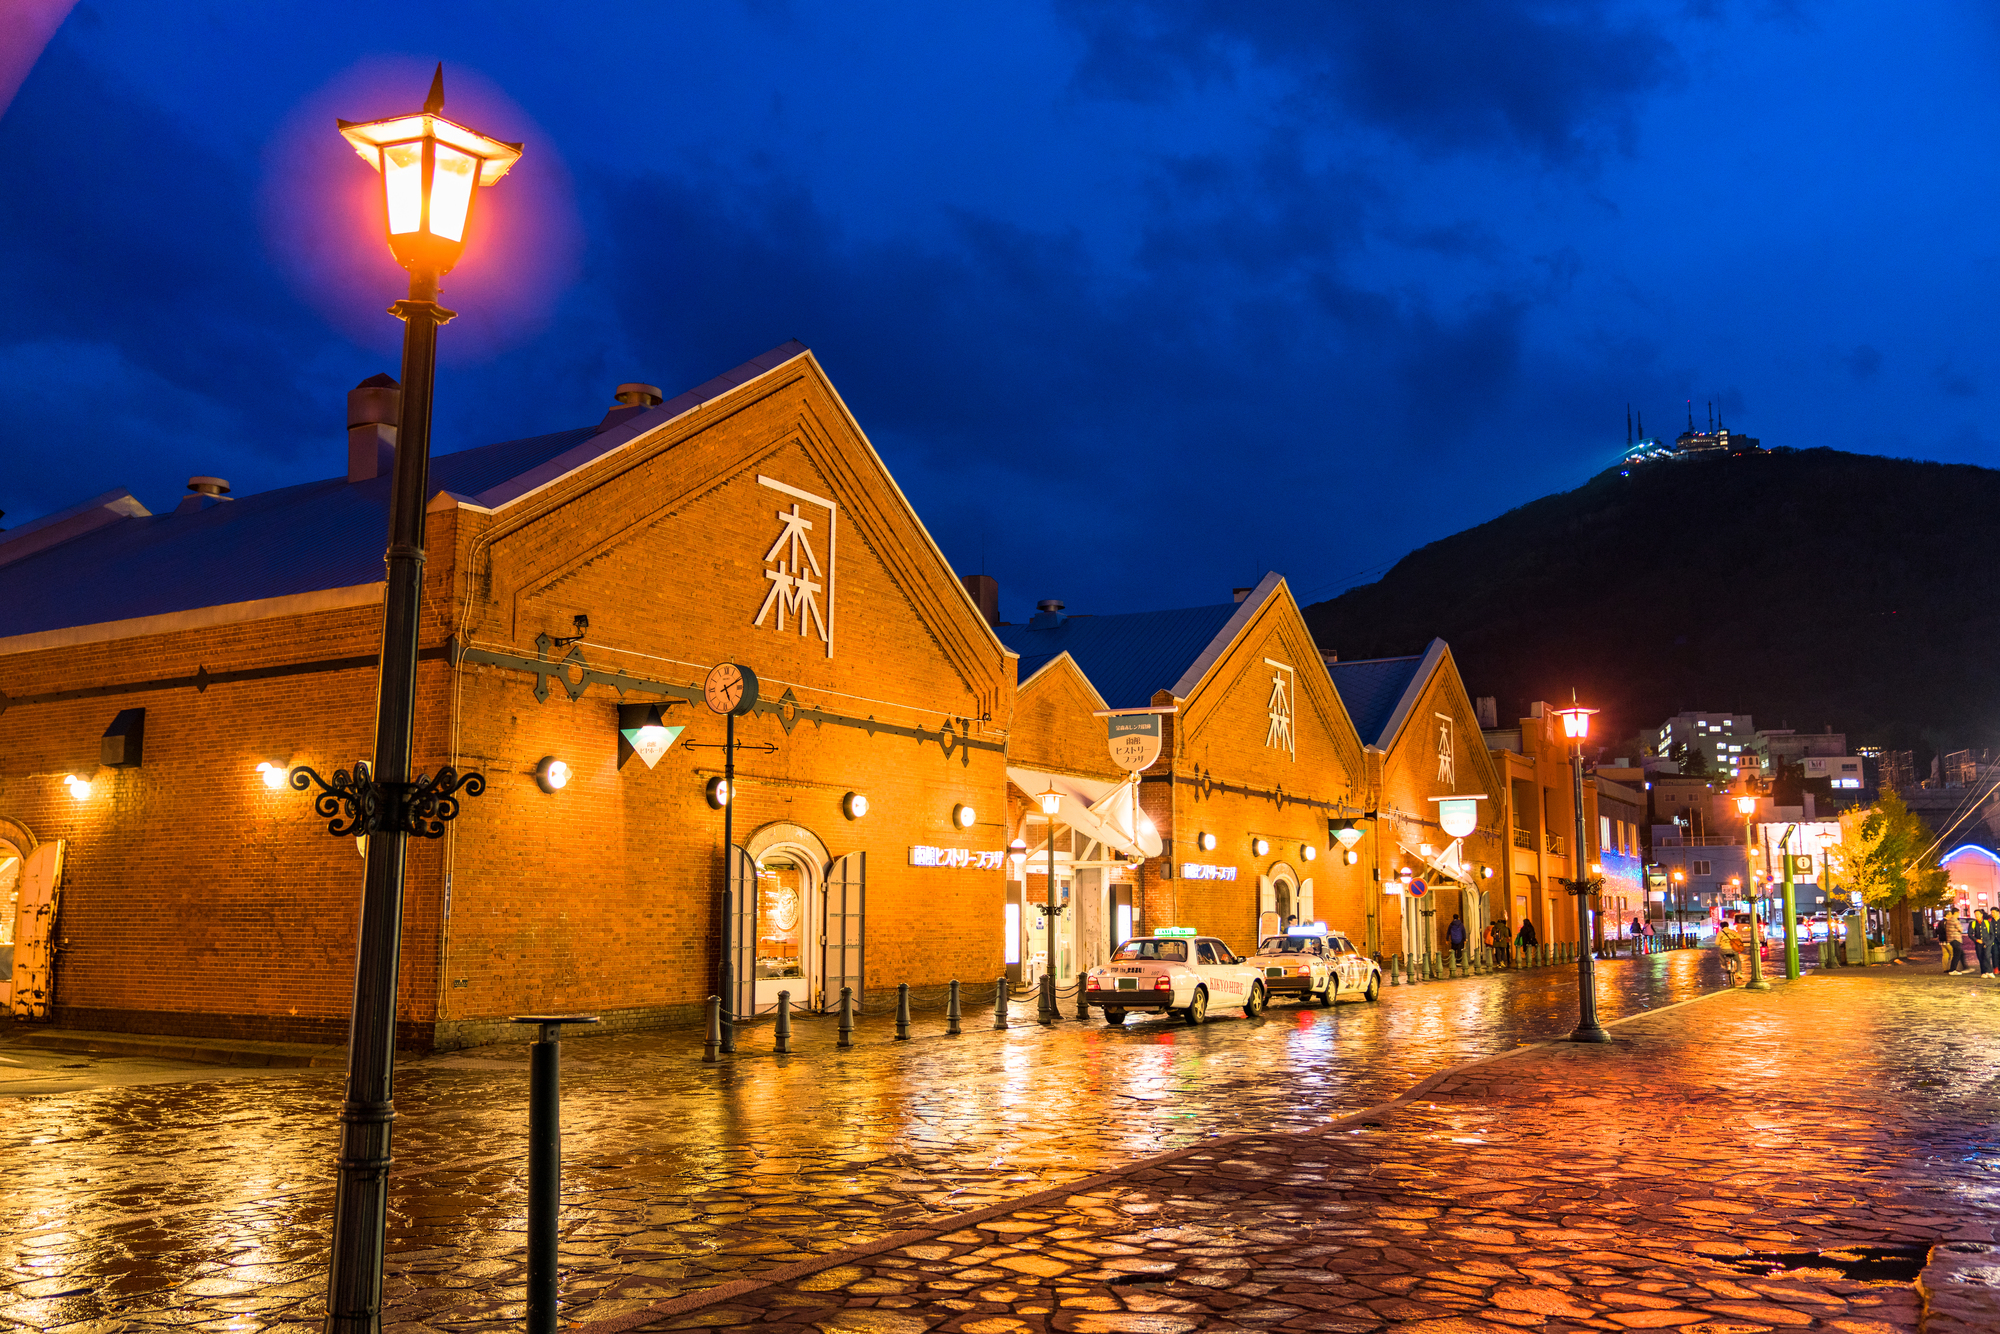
x: 633, y: 399
x: 985, y: 591
x: 374, y: 408
x: 1240, y: 593
x: 1048, y: 615
x: 1487, y: 707
x: 1329, y: 657
x: 203, y: 493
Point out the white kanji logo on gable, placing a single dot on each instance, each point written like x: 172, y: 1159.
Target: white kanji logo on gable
x: 1283, y: 687
x: 793, y: 574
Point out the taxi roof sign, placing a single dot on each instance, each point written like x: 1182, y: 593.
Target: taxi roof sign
x: 1313, y: 929
x: 1175, y: 931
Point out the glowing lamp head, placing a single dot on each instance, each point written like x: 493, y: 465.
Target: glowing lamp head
x: 1576, y: 721
x: 431, y: 168
x: 274, y: 774
x: 1746, y: 804
x: 854, y: 805
x: 1348, y: 834
x: 1051, y: 801
x: 963, y: 816
x: 1260, y: 846
x: 78, y: 787
x: 1018, y: 850
x: 1309, y: 852
x: 1206, y: 842
x: 552, y: 774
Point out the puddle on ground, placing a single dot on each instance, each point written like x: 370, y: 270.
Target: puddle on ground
x: 1862, y: 1264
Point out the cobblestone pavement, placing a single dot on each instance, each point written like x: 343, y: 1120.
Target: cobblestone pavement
x: 182, y: 1204
x: 1714, y: 1170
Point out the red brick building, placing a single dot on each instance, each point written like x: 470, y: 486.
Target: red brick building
x: 746, y: 521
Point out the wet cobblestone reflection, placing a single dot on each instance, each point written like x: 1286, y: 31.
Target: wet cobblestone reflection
x: 184, y: 1203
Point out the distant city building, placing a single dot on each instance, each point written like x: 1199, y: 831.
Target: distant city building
x: 1782, y: 743
x: 1726, y: 741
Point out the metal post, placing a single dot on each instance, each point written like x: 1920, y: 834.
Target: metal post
x: 846, y: 1038
x: 783, y: 1029
x: 902, y: 1012
x: 1082, y: 1003
x: 1587, y: 1028
x: 1049, y: 973
x: 1045, y: 1006
x: 727, y: 973
x: 361, y: 1191
x: 1791, y: 908
x: 545, y: 1163
x: 951, y: 1014
x: 712, y: 1012
x: 1000, y: 1002
x: 1750, y: 896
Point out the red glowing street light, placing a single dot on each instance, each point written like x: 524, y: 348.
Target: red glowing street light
x: 1576, y: 726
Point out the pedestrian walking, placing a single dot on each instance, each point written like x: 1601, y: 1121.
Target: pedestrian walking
x: 1526, y: 937
x: 1954, y: 941
x: 1455, y: 934
x: 1982, y: 940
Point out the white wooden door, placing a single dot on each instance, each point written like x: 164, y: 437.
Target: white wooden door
x: 740, y: 935
x: 842, y: 932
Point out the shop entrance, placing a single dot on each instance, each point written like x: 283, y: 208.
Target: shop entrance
x: 1282, y: 898
x: 800, y: 918
x: 788, y: 897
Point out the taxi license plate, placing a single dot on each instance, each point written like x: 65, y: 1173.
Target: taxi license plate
x: 1274, y: 972
x: 1128, y: 984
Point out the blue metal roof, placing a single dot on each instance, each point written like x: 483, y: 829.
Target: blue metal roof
x: 299, y: 539
x: 1371, y: 689
x: 1126, y: 657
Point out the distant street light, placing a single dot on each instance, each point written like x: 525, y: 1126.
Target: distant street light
x: 1051, y: 803
x: 1576, y: 726
x: 1747, y: 804
x: 431, y: 170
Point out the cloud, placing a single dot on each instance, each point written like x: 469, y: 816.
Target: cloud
x: 1559, y: 80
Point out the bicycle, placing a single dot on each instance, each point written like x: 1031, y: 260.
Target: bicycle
x: 1731, y: 964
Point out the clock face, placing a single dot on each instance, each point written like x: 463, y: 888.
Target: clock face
x: 730, y: 689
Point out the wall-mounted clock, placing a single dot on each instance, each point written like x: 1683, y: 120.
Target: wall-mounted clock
x: 731, y: 688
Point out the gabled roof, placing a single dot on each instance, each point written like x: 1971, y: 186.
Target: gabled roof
x: 1126, y: 657
x: 1378, y: 692
x: 298, y: 539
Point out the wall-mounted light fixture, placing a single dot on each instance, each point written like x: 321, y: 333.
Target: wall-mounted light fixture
x: 1485, y: 873
x: 717, y: 793
x: 1353, y: 858
x: 552, y: 774
x: 1308, y: 851
x: 78, y: 787
x: 1018, y: 850
x: 963, y: 815
x: 124, y: 741
x: 643, y: 731
x: 854, y: 805
x: 1344, y: 832
x: 273, y: 773
x: 1260, y: 846
x: 1206, y: 842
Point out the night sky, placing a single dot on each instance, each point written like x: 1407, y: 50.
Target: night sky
x: 1137, y: 300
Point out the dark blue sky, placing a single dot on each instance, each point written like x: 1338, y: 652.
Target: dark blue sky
x: 1136, y: 299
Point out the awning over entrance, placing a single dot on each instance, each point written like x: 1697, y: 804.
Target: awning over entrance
x: 1107, y: 812
x: 1446, y: 865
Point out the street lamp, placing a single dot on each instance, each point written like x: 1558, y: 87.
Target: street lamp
x: 1576, y: 726
x: 1051, y: 801
x: 1747, y: 804
x: 431, y: 170
x: 1680, y: 902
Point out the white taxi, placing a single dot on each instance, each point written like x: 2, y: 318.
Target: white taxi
x: 1176, y: 971
x: 1315, y: 964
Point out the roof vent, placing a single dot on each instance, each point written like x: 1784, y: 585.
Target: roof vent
x: 1048, y: 615
x: 374, y: 410
x: 1238, y: 594
x: 633, y: 399
x: 204, y: 492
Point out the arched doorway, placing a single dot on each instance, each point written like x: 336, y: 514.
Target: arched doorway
x: 1278, y: 899
x: 790, y: 862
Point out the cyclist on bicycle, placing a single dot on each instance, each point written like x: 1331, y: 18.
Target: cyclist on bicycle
x: 1730, y: 946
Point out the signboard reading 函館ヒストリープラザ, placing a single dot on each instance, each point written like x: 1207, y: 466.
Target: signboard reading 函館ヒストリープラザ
x: 1134, y: 739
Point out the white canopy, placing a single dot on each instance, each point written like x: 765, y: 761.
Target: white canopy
x: 1448, y: 864
x: 1106, y: 811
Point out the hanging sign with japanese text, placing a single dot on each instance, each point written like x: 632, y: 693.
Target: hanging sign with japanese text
x: 1135, y: 739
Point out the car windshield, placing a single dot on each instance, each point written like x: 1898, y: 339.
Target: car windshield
x: 1166, y: 951
x: 1289, y: 945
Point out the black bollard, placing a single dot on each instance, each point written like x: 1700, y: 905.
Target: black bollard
x: 545, y: 1163
x: 1082, y: 1002
x: 902, y: 1012
x: 1000, y: 1002
x: 782, y: 1030
x: 728, y: 1015
x: 951, y: 1014
x: 713, y: 1007
x: 846, y: 1038
x: 1045, y: 1008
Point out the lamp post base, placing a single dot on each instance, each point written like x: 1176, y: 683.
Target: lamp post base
x: 1757, y: 984
x: 1589, y: 1033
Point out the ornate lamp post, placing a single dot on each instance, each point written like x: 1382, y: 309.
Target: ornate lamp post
x: 1576, y: 726
x: 1747, y: 804
x: 431, y: 170
x: 1680, y: 903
